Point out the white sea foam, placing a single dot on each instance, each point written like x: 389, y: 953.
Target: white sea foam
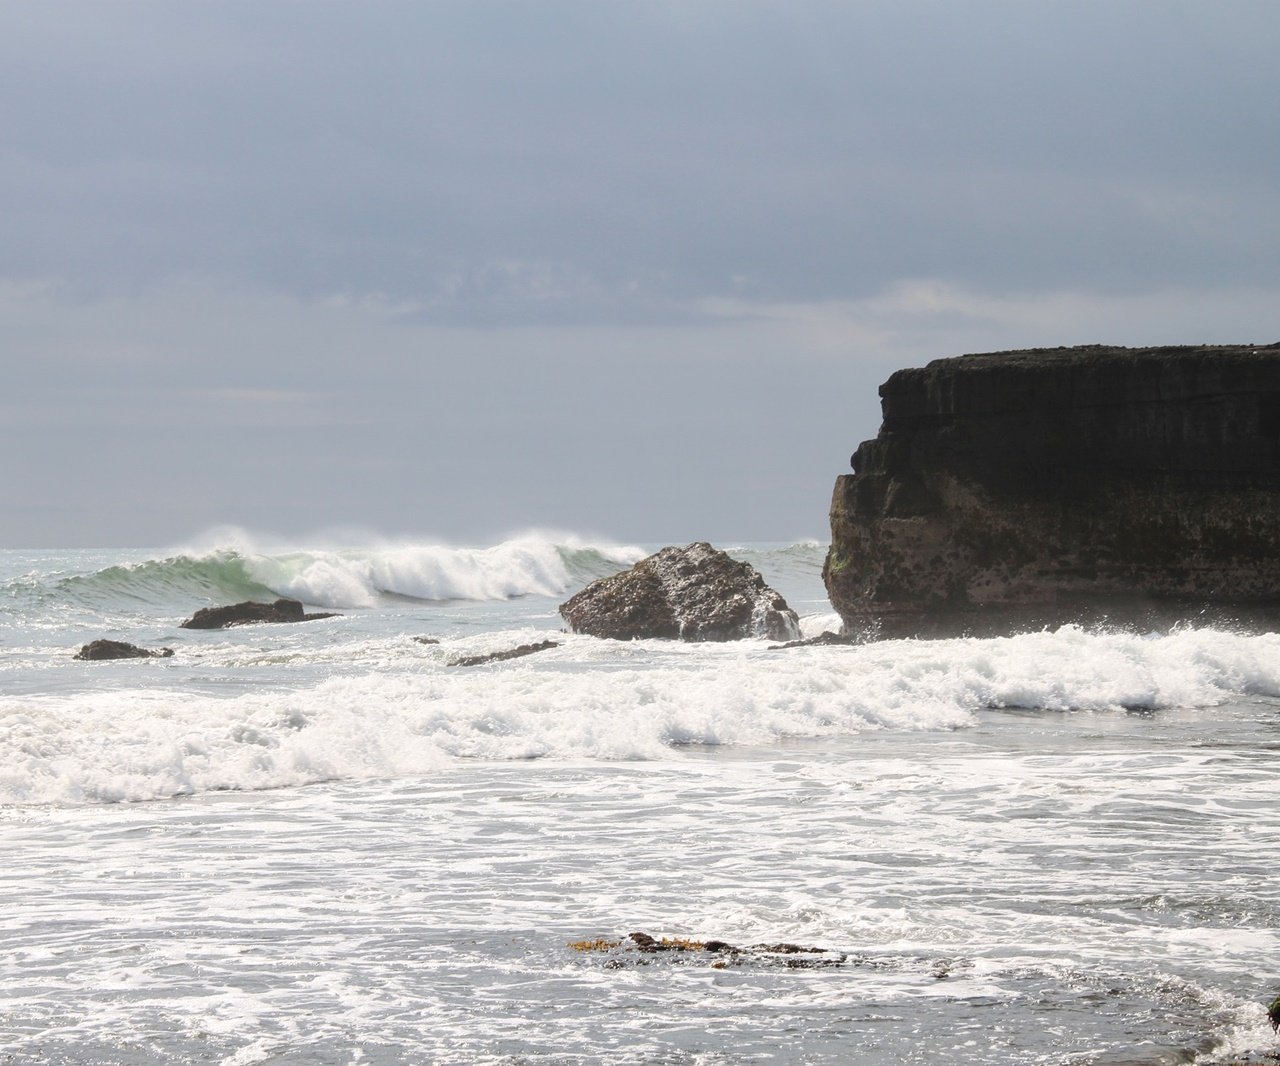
x: 1044, y: 881
x: 589, y: 699
x: 814, y: 625
x: 534, y: 563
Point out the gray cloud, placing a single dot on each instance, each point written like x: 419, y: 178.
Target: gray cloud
x: 459, y: 267
x: 633, y: 157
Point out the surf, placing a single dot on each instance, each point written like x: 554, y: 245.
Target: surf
x: 344, y: 577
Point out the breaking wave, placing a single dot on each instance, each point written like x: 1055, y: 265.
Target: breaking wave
x: 402, y: 710
x: 356, y: 576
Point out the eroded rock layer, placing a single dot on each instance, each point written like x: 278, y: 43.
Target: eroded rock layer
x: 1069, y: 484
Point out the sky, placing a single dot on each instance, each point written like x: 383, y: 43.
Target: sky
x: 450, y: 271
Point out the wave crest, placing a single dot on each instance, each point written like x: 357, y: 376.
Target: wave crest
x: 353, y: 577
x: 525, y: 566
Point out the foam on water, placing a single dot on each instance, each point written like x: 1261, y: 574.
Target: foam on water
x: 403, y: 710
x: 1044, y: 848
x: 814, y: 625
x: 396, y: 920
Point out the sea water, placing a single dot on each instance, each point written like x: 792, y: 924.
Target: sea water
x: 325, y: 843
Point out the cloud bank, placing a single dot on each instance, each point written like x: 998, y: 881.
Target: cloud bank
x: 457, y: 268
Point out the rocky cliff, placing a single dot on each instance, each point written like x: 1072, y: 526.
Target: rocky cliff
x: 1068, y: 484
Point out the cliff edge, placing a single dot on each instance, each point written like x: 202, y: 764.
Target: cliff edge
x: 1070, y: 484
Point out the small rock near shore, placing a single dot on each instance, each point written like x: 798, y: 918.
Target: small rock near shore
x: 502, y: 656
x: 792, y: 956
x: 101, y: 650
x: 822, y: 640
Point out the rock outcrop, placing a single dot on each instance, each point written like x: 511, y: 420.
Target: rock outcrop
x: 1058, y: 485
x: 239, y: 614
x: 719, y: 953
x: 822, y: 640
x: 696, y: 593
x: 508, y: 653
x: 101, y: 650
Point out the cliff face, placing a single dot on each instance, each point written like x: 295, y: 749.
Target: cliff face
x: 1068, y: 484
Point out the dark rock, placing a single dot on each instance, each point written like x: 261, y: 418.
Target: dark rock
x: 1063, y: 485
x: 502, y: 656
x: 425, y: 640
x: 239, y: 614
x: 99, y: 650
x: 695, y: 593
x: 826, y: 639
x: 682, y: 947
x: 788, y: 949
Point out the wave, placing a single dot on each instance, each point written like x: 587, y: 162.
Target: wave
x: 403, y: 711
x: 363, y: 577
x: 804, y: 557
x: 217, y: 575
x: 353, y: 577
x: 234, y: 568
x: 794, y: 570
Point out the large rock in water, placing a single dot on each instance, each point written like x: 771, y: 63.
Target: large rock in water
x: 693, y: 593
x: 239, y: 614
x: 1069, y: 484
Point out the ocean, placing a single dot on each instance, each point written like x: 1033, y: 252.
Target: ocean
x: 326, y: 843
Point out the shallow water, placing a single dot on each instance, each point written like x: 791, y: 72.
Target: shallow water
x: 338, y: 849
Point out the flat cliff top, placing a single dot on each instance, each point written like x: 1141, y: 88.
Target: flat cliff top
x: 1101, y: 353
x: 1094, y: 375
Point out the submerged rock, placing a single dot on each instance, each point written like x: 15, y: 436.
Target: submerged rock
x: 1062, y: 485
x: 694, y: 593
x: 239, y: 614
x: 502, y: 656
x: 721, y: 953
x: 822, y: 640
x: 99, y: 650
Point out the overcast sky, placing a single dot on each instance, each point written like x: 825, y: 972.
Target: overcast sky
x: 454, y: 270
